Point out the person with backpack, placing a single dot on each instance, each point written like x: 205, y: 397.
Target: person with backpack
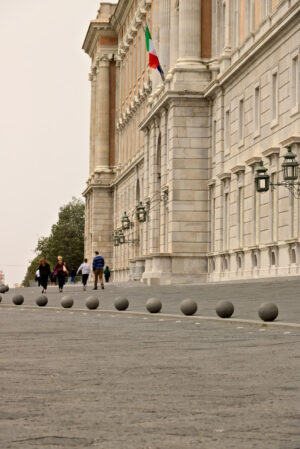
x: 98, y: 264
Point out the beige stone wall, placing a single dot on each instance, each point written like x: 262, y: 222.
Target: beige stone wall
x: 263, y: 229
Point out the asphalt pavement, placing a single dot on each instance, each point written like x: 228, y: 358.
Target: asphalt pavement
x: 73, y: 378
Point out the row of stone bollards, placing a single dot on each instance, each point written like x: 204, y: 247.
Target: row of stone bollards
x: 267, y: 311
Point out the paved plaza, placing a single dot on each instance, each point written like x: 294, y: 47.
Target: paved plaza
x: 101, y: 379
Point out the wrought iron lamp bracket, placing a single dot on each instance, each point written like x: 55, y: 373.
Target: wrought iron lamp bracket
x: 293, y: 187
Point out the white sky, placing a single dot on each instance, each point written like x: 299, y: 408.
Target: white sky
x: 44, y: 120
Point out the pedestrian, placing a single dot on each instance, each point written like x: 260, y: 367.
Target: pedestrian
x: 98, y: 264
x: 85, y: 271
x: 44, y: 270
x: 60, y: 271
x: 52, y: 278
x: 106, y: 273
x: 38, y: 277
x: 72, y: 274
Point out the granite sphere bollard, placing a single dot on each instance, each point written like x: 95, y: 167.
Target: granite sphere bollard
x: 121, y: 303
x: 18, y: 300
x: 67, y: 301
x: 188, y: 306
x: 268, y: 311
x: 153, y: 305
x: 224, y: 309
x: 6, y: 288
x: 42, y: 301
x: 2, y: 289
x: 92, y: 302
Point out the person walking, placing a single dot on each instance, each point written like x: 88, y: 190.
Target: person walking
x: 45, y: 271
x: 85, y: 271
x: 106, y: 273
x: 52, y: 278
x: 60, y: 271
x: 72, y: 274
x: 98, y: 264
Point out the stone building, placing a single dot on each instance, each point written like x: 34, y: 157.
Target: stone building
x: 186, y: 149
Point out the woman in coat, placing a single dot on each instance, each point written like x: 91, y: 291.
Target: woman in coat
x: 44, y: 269
x: 60, y: 271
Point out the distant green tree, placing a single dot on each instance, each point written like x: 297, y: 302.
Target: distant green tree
x: 31, y: 270
x: 66, y: 238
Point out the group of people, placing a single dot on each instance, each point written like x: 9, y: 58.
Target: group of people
x: 60, y: 272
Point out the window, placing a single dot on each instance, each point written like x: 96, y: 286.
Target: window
x: 213, y: 137
x: 226, y: 221
x: 227, y: 131
x: 295, y: 83
x: 256, y: 111
x: 274, y: 98
x: 212, y: 219
x: 293, y: 256
x: 273, y: 209
x: 241, y: 121
x: 236, y: 23
x: 264, y: 9
x: 249, y: 17
x: 240, y: 216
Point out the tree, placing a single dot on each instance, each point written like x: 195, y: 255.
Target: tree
x: 66, y: 238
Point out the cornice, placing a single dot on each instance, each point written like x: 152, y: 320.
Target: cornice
x: 95, y: 30
x: 253, y: 161
x: 269, y: 152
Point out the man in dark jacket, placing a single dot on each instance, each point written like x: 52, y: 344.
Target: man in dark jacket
x: 98, y: 264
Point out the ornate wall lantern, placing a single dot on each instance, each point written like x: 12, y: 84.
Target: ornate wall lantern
x: 290, y: 166
x: 126, y: 223
x: 121, y: 237
x: 116, y: 240
x: 289, y: 172
x: 141, y: 213
x: 262, y: 179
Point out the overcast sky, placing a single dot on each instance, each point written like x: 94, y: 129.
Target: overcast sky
x: 44, y: 120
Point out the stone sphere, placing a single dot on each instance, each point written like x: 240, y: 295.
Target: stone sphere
x: 2, y: 289
x: 224, y: 309
x: 18, y: 300
x: 153, y: 305
x: 188, y: 306
x: 42, y: 301
x: 268, y: 311
x: 121, y: 303
x: 92, y: 302
x: 6, y: 288
x: 67, y: 301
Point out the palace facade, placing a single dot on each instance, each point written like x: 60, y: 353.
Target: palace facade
x: 184, y: 151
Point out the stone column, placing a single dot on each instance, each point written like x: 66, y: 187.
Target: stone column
x: 118, y: 87
x: 164, y: 34
x: 102, y: 115
x: 174, y: 32
x: 92, y: 78
x: 189, y: 32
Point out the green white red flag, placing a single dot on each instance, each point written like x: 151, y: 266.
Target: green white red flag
x: 153, y: 58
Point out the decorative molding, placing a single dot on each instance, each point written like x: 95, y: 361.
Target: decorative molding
x: 238, y: 169
x: 290, y: 141
x: 271, y: 151
x: 253, y: 161
x: 224, y: 176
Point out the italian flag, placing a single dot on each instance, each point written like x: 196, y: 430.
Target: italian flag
x: 153, y: 58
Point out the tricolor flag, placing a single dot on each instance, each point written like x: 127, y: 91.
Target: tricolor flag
x: 153, y: 58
